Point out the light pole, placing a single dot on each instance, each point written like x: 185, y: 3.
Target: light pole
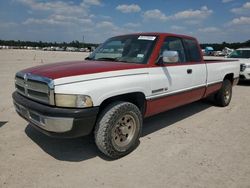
x: 83, y: 41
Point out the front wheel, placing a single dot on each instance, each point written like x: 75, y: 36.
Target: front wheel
x: 224, y: 95
x: 118, y: 129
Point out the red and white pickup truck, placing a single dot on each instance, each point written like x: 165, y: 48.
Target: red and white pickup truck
x: 126, y: 79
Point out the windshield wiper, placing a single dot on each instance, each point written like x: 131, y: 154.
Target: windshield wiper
x: 106, y: 59
x: 88, y: 58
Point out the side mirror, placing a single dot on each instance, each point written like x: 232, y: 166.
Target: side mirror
x: 170, y: 56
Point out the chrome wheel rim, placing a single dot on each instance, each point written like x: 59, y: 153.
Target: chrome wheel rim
x: 124, y: 131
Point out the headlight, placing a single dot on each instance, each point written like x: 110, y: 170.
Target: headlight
x: 242, y: 67
x: 73, y: 101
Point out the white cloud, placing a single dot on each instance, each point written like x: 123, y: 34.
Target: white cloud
x: 59, y: 20
x: 92, y: 2
x: 155, y: 14
x: 130, y: 24
x: 244, y: 9
x: 209, y: 29
x: 58, y: 7
x: 193, y: 22
x: 69, y: 21
x: 128, y: 8
x: 246, y: 5
x: 106, y: 24
x: 72, y: 19
x: 190, y: 14
x: 8, y: 25
x: 63, y: 14
x: 227, y: 1
x: 109, y: 29
x: 202, y: 13
x: 47, y: 21
x: 104, y: 17
x: 240, y: 21
x: 177, y: 28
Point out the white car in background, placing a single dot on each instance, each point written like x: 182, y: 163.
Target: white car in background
x: 243, y: 55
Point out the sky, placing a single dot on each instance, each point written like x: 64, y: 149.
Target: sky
x: 210, y: 21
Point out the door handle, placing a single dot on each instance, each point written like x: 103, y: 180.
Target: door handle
x: 189, y: 71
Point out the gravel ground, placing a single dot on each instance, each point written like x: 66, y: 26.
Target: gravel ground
x: 197, y: 145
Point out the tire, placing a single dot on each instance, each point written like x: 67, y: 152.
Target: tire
x: 118, y: 129
x: 224, y: 95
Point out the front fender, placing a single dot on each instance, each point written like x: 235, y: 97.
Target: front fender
x: 102, y: 89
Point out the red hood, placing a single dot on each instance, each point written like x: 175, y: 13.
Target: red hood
x: 65, y: 69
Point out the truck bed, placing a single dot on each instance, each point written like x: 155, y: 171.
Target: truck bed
x: 210, y: 59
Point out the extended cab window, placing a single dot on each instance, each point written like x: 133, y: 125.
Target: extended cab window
x: 193, y: 52
x: 174, y: 44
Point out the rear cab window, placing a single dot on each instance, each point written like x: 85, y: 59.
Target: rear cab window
x: 192, y: 50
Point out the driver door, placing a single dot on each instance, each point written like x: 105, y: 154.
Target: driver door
x: 175, y: 84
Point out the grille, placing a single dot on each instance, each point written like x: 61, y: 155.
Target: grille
x: 35, y: 87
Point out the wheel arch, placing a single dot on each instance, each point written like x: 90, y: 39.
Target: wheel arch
x: 137, y: 98
x: 230, y: 77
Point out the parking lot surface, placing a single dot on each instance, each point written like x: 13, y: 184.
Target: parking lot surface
x: 197, y: 145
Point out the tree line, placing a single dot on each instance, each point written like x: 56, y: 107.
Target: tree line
x: 218, y: 46
x: 41, y: 44
x: 77, y: 44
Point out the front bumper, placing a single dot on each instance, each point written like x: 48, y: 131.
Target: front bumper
x: 245, y: 75
x: 54, y: 121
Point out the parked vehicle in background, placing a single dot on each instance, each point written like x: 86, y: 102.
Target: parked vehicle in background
x: 126, y: 79
x: 227, y: 51
x: 72, y: 49
x: 203, y: 52
x: 243, y: 55
x: 59, y: 49
x: 219, y: 53
x: 209, y: 50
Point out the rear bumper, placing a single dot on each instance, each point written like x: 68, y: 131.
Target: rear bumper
x: 56, y: 122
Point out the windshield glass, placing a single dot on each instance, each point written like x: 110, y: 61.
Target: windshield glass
x: 128, y: 48
x: 240, y: 54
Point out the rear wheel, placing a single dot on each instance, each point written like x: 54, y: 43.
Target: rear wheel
x: 118, y: 129
x: 224, y: 95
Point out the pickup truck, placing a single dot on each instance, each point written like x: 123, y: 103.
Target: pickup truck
x: 243, y: 55
x: 126, y: 79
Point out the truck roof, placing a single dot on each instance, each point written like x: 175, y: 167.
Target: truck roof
x: 160, y: 34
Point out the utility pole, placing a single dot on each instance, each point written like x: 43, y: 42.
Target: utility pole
x: 83, y: 41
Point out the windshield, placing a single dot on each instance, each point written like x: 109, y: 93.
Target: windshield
x: 128, y: 48
x: 240, y: 54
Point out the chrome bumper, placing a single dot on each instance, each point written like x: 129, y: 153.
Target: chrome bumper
x: 52, y: 124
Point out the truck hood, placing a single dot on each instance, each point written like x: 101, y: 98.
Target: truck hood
x: 67, y: 69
